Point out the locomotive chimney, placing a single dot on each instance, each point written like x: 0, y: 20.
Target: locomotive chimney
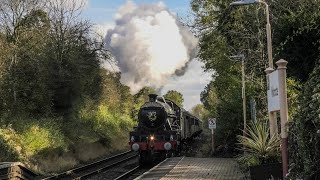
x: 152, y: 97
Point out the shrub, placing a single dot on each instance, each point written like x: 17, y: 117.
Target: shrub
x: 258, y: 146
x: 305, y: 132
x: 9, y: 144
x: 38, y: 136
x: 26, y: 137
x: 107, y: 124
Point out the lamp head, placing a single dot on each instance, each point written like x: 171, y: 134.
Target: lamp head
x: 237, y: 56
x: 244, y: 2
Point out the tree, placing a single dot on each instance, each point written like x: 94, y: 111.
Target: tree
x: 209, y: 99
x: 175, y: 96
x: 24, y: 74
x: 115, y: 95
x: 51, y: 63
x: 296, y: 35
x: 224, y: 31
x: 227, y: 30
x: 305, y: 139
x: 52, y: 86
x: 74, y: 57
x: 200, y: 111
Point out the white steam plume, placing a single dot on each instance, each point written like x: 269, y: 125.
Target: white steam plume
x: 149, y: 45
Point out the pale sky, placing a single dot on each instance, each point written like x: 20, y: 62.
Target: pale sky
x: 102, y: 13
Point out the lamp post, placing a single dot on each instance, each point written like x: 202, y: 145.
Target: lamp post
x: 241, y: 56
x: 272, y: 115
x: 268, y: 26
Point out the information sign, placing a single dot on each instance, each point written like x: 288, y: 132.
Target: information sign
x: 212, y: 123
x: 273, y: 92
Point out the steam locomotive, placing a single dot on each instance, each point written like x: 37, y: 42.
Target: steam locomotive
x: 164, y: 129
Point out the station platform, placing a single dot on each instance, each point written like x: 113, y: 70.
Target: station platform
x: 194, y: 168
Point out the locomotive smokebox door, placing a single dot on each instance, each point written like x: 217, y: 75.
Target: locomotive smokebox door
x: 152, y: 117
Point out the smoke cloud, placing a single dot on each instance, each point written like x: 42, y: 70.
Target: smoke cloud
x: 149, y: 45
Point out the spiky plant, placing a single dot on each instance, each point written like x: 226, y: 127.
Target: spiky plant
x: 258, y: 146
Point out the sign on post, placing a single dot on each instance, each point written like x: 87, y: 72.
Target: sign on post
x: 212, y: 126
x: 212, y: 123
x: 273, y: 92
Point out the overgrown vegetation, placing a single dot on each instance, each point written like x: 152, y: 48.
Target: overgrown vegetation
x: 58, y: 106
x: 175, y: 96
x: 305, y: 131
x: 226, y: 30
x: 55, y: 97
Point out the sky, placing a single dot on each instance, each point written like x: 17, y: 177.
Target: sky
x: 103, y: 13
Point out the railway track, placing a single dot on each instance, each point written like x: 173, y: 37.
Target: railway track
x: 111, y: 165
x: 133, y: 173
x: 127, y: 172
x: 123, y: 174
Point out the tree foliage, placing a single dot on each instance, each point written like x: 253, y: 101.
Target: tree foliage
x: 296, y: 35
x: 200, y: 111
x: 114, y: 94
x: 225, y: 31
x: 305, y: 140
x: 24, y: 68
x: 53, y: 61
x: 73, y: 57
x: 228, y: 30
x: 54, y: 93
x: 209, y: 98
x: 175, y: 96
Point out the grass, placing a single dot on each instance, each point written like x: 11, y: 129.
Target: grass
x: 50, y: 145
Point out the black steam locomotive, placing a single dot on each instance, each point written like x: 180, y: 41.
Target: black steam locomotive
x: 164, y: 129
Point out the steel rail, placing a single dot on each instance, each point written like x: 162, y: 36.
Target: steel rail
x: 87, y: 166
x: 127, y: 173
x: 104, y: 168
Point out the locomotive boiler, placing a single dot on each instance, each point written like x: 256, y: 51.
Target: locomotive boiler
x: 163, y: 129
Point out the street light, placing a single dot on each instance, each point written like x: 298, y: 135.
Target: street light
x: 245, y: 2
x: 241, y: 56
x: 284, y: 141
x: 268, y: 26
